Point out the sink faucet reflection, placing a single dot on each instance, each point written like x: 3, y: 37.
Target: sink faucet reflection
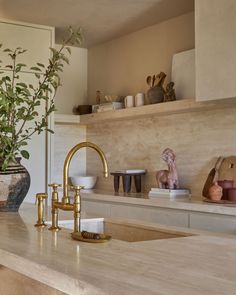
x: 65, y: 202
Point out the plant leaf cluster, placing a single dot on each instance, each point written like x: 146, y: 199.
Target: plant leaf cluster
x: 20, y: 100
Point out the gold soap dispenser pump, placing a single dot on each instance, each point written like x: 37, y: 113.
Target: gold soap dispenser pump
x: 40, y: 199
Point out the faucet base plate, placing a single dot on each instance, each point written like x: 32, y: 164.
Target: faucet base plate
x: 43, y: 224
x: 54, y: 228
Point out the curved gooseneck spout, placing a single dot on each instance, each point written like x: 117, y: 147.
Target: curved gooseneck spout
x: 68, y: 158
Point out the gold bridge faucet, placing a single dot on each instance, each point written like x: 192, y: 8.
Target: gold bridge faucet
x: 65, y: 202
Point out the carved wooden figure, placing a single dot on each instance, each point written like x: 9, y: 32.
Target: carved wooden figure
x: 168, y: 179
x: 170, y: 92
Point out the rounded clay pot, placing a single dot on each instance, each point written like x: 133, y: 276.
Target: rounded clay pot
x: 155, y: 94
x: 215, y: 192
x: 14, y: 185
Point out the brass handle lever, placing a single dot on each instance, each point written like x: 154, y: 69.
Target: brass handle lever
x: 54, y: 226
x: 77, y: 207
x: 77, y: 188
x: 54, y: 186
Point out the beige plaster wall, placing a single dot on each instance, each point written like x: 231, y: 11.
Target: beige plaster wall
x: 122, y: 65
x: 73, y: 91
x: 197, y: 138
x: 215, y: 49
x: 66, y: 136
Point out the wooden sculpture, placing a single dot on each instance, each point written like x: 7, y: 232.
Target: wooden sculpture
x: 170, y: 92
x: 168, y: 179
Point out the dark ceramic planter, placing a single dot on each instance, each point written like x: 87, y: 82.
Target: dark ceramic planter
x: 14, y: 185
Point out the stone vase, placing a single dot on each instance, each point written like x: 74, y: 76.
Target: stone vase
x: 14, y: 185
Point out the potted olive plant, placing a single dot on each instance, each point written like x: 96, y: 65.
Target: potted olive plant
x: 19, y: 101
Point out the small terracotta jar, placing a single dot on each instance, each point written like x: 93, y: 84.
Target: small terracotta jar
x: 215, y: 192
x: 225, y: 184
x: 231, y: 194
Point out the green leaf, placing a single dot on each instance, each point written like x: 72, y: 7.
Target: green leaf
x: 37, y: 75
x: 63, y: 57
x: 7, y: 50
x: 40, y: 65
x: 23, y: 143
x: 21, y: 84
x: 68, y: 49
x: 50, y: 131
x: 25, y: 154
x: 21, y: 65
x: 54, y: 51
x: 35, y: 69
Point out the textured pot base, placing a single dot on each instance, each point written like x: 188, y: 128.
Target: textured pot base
x: 14, y: 186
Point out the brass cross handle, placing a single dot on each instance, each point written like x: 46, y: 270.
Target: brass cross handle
x: 54, y: 186
x: 77, y: 188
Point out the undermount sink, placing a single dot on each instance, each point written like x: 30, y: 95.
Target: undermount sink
x: 125, y: 231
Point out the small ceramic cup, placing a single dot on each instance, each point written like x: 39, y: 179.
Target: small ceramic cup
x: 129, y: 101
x: 225, y: 184
x: 231, y: 194
x: 139, y: 99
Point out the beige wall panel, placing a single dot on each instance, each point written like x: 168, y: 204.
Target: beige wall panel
x: 65, y: 137
x: 36, y: 40
x: 197, y: 138
x: 215, y: 49
x: 183, y: 74
x: 73, y: 91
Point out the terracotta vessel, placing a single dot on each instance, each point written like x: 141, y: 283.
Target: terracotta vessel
x: 225, y: 184
x: 215, y: 192
x: 14, y: 185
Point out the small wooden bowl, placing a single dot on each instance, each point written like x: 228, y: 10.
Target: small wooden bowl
x: 82, y: 109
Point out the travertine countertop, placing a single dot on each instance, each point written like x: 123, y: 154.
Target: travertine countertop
x: 192, y: 205
x: 203, y: 264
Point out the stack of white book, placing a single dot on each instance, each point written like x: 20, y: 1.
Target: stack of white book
x: 109, y: 106
x: 175, y: 194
